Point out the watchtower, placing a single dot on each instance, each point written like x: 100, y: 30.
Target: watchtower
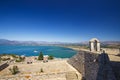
x: 94, y: 44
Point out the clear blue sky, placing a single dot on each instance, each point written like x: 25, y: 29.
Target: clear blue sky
x: 59, y: 20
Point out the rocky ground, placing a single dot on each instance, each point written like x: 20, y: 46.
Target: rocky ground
x: 52, y: 70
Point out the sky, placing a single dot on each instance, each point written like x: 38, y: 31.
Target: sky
x: 60, y: 20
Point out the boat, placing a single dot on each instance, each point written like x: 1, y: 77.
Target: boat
x: 35, y: 51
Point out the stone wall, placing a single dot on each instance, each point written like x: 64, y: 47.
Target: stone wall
x: 3, y: 65
x: 105, y: 71
x: 86, y: 63
x: 112, y: 51
x: 116, y: 68
x: 77, y: 61
x: 92, y: 66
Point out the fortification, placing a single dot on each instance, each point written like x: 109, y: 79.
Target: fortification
x: 94, y: 44
x: 111, y: 51
x: 86, y: 63
x: 105, y: 71
x: 91, y: 65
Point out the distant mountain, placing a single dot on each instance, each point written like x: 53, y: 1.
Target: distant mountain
x: 8, y: 42
x: 24, y: 43
x: 13, y: 42
x: 110, y: 44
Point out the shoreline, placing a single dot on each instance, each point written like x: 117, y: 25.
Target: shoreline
x: 76, y: 48
x: 46, y: 50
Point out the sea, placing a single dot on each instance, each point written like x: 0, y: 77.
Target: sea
x: 56, y: 51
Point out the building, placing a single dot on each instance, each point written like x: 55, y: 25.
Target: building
x: 45, y: 58
x: 94, y: 44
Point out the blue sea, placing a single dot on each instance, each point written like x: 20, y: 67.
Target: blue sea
x: 56, y: 51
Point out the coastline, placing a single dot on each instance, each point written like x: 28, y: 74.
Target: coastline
x: 56, y: 51
x: 76, y: 48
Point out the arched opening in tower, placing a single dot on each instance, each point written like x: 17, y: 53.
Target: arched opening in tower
x: 95, y: 45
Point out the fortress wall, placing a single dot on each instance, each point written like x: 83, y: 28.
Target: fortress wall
x: 105, y: 71
x: 77, y: 61
x: 86, y: 64
x: 111, y: 50
x: 92, y: 66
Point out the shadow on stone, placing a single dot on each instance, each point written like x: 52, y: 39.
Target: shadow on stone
x: 105, y: 71
x: 3, y: 66
x: 116, y: 69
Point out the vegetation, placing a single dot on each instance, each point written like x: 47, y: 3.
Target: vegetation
x: 5, y: 59
x: 0, y: 59
x: 20, y: 59
x: 13, y: 55
x: 41, y: 70
x: 40, y: 57
x: 110, y: 46
x: 5, y: 56
x: 50, y: 57
x: 14, y: 70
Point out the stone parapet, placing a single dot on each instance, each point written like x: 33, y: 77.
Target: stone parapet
x: 92, y: 66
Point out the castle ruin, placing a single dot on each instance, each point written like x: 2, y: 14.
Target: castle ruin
x: 91, y: 65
